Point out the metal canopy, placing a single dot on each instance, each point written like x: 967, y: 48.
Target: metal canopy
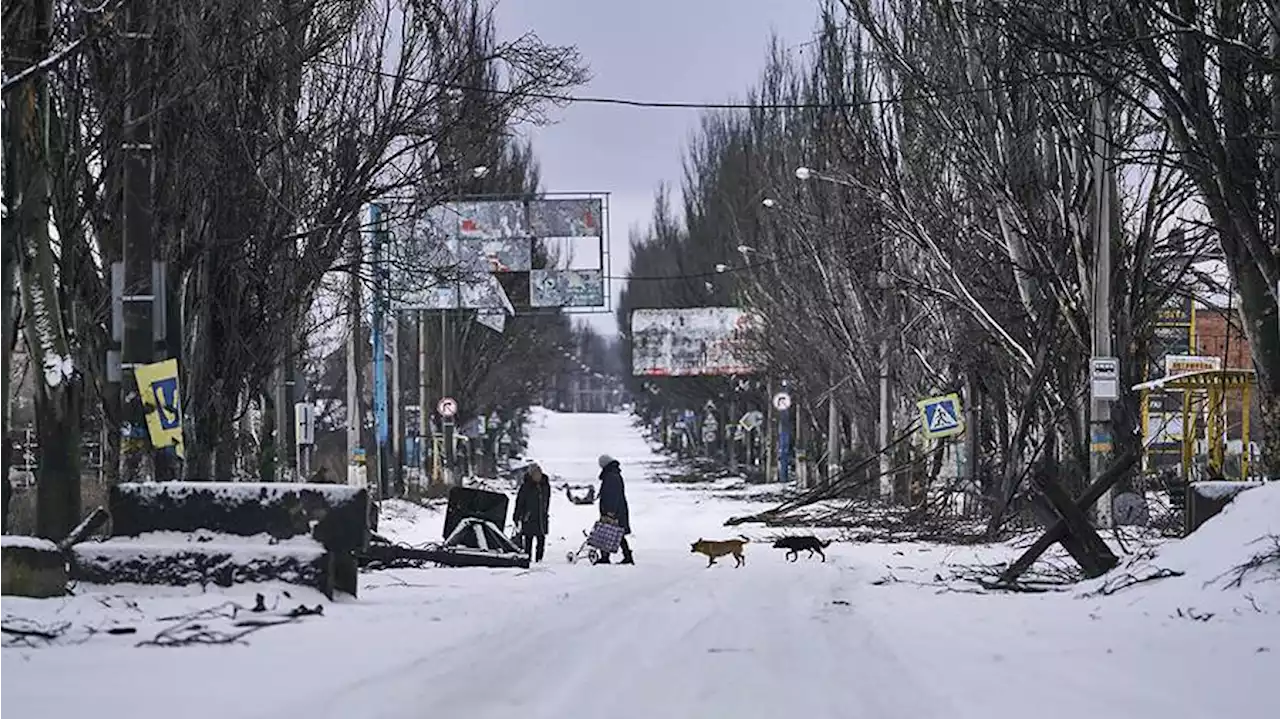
x: 1216, y: 383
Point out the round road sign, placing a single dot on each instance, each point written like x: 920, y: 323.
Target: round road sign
x: 782, y: 401
x: 447, y: 406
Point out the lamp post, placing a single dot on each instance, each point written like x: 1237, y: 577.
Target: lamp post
x: 884, y: 424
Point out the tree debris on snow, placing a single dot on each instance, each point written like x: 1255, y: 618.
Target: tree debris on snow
x: 1267, y: 558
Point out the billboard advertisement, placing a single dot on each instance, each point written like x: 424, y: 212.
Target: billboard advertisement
x: 566, y: 288
x: 566, y: 218
x: 693, y: 341
x: 451, y: 255
x: 486, y: 219
x: 501, y: 254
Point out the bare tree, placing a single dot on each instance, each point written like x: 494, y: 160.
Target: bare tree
x: 1207, y: 73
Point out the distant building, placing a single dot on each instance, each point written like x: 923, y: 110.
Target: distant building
x: 1216, y: 337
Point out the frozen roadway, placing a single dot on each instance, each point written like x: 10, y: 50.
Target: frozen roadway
x: 670, y: 639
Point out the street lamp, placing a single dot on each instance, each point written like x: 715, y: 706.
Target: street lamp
x: 769, y: 202
x: 721, y: 267
x: 479, y: 171
x: 886, y: 416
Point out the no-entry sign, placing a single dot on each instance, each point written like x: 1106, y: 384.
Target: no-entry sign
x: 447, y: 406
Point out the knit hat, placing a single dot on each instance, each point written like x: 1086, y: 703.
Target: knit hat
x: 606, y: 460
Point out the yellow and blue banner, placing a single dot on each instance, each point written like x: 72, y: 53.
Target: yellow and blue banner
x: 158, y: 387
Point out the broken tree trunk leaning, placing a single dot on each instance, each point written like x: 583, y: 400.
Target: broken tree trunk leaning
x: 56, y: 383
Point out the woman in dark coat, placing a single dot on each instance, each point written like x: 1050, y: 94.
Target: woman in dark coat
x: 613, y: 503
x: 533, y: 511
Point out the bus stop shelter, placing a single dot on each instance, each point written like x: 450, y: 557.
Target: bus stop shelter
x: 1209, y: 389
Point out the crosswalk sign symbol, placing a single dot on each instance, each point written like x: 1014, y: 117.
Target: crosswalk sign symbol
x: 940, y: 416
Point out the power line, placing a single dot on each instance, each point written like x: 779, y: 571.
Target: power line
x: 683, y: 105
x: 728, y: 269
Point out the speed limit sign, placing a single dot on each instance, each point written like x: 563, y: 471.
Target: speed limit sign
x: 447, y: 407
x: 782, y: 401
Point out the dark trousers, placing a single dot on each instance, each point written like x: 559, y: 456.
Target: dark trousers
x: 626, y: 554
x: 540, y: 540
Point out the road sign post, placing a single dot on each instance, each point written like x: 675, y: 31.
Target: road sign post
x: 782, y: 403
x: 447, y: 407
x: 304, y: 417
x: 940, y: 417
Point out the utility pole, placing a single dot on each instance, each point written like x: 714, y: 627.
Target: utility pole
x: 355, y: 421
x: 767, y: 435
x: 833, y: 436
x: 446, y: 423
x: 1100, y: 409
x: 378, y: 337
x: 424, y: 416
x: 396, y: 407
x: 139, y: 281
x: 731, y: 424
x: 784, y: 441
x: 885, y: 425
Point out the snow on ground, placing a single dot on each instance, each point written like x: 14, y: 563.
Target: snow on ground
x: 409, y: 523
x: 870, y: 633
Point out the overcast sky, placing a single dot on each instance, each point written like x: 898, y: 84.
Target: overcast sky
x: 674, y: 50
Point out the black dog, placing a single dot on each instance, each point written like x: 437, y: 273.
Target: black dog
x: 793, y: 545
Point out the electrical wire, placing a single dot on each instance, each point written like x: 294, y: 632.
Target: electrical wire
x: 729, y: 269
x: 686, y: 105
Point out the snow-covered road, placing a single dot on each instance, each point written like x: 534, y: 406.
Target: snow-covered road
x: 667, y: 637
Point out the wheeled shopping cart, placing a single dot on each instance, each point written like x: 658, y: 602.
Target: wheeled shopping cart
x: 604, y: 538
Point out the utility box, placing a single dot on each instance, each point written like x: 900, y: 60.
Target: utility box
x: 1204, y: 500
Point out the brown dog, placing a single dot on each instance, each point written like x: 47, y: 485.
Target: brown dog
x: 716, y: 548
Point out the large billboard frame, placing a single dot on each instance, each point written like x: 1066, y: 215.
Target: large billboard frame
x: 605, y: 268
x: 714, y: 323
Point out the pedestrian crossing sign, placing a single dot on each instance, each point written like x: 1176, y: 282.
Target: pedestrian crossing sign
x: 940, y: 416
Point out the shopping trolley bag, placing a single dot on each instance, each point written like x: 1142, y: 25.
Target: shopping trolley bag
x: 606, y: 536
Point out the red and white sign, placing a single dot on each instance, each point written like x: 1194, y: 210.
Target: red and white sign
x: 447, y: 406
x: 1185, y: 364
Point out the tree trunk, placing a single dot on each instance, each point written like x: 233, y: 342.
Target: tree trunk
x: 10, y: 333
x: 224, y: 462
x: 58, y: 459
x: 8, y: 328
x: 57, y: 383
x: 267, y: 454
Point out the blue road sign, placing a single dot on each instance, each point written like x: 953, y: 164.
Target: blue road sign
x: 940, y: 416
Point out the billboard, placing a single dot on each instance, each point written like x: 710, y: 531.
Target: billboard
x: 487, y: 219
x: 451, y: 255
x: 566, y: 218
x: 500, y: 254
x: 566, y: 288
x: 1177, y: 310
x: 693, y: 341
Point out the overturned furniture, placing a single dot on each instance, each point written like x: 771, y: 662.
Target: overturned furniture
x: 224, y: 533
x: 473, y: 537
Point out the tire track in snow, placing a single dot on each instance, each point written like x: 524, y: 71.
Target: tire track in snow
x: 476, y: 665
x: 673, y: 641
